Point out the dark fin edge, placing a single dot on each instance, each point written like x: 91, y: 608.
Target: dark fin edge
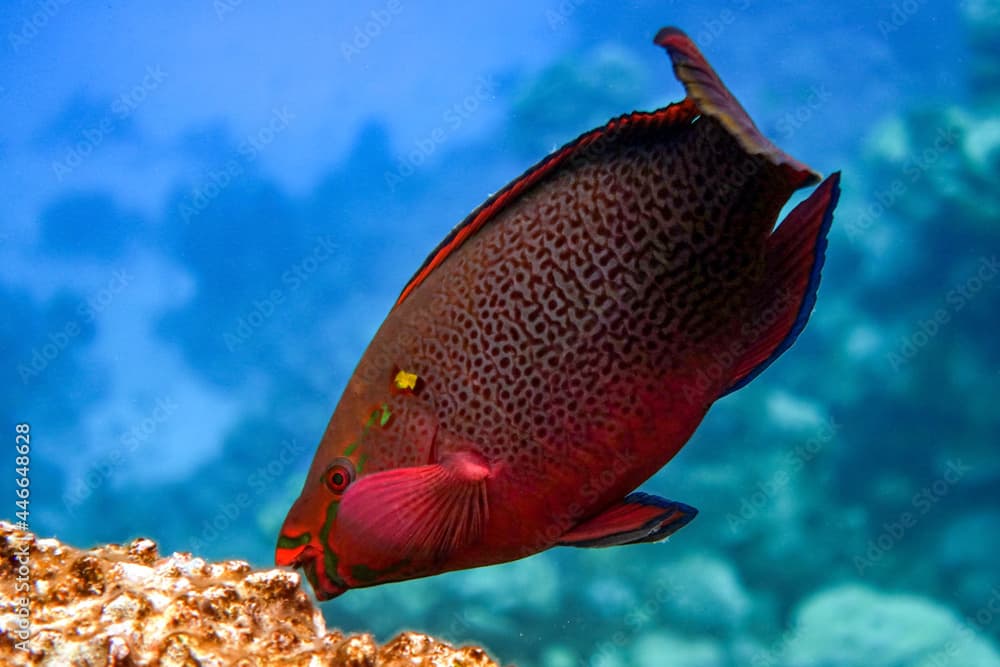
x: 706, y: 95
x: 657, y: 527
x: 675, y: 114
x: 832, y: 183
x: 713, y: 99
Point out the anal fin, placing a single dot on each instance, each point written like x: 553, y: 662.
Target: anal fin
x: 640, y: 517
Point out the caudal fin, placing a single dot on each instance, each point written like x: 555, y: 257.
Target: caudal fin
x: 795, y: 254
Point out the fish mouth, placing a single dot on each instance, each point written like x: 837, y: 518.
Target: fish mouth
x: 296, y: 556
x: 304, y: 557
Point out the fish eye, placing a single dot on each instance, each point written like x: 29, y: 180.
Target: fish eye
x: 339, y: 475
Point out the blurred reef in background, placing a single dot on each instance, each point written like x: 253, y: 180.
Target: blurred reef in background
x: 848, y: 497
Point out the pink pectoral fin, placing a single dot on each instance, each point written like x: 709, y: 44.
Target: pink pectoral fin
x: 419, y: 513
x: 640, y: 517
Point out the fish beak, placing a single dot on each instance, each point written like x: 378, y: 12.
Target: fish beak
x: 295, y: 556
x: 288, y: 557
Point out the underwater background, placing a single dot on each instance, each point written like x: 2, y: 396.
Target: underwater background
x: 209, y: 207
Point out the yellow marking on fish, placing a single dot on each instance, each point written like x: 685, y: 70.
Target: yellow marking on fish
x: 406, y: 381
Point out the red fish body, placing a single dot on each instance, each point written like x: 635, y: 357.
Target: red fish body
x: 562, y: 344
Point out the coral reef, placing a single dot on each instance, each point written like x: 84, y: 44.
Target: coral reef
x: 982, y: 20
x: 835, y: 628
x: 943, y: 161
x: 941, y: 164
x: 127, y: 606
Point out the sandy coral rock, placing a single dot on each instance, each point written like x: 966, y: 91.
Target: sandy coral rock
x: 124, y: 606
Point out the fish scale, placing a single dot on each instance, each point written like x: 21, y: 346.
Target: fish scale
x: 562, y: 344
x: 512, y: 274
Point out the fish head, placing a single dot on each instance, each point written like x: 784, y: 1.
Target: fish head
x: 339, y: 540
x: 305, y: 538
x: 324, y: 532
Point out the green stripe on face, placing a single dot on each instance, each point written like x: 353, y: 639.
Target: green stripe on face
x: 286, y: 542
x: 368, y: 575
x: 331, y: 516
x: 363, y: 573
x: 330, y: 562
x: 330, y: 559
x: 380, y: 416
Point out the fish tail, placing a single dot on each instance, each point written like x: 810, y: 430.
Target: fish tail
x: 785, y: 299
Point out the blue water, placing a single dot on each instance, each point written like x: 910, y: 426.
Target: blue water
x: 208, y: 208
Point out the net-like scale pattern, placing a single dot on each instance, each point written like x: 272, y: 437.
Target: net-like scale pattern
x: 622, y: 269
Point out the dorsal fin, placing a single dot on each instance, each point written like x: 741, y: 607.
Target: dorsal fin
x: 713, y: 99
x: 706, y: 94
x: 675, y: 114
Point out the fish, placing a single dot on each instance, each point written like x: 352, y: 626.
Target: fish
x: 561, y: 345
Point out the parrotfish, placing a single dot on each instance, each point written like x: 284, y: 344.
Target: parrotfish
x: 561, y: 345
